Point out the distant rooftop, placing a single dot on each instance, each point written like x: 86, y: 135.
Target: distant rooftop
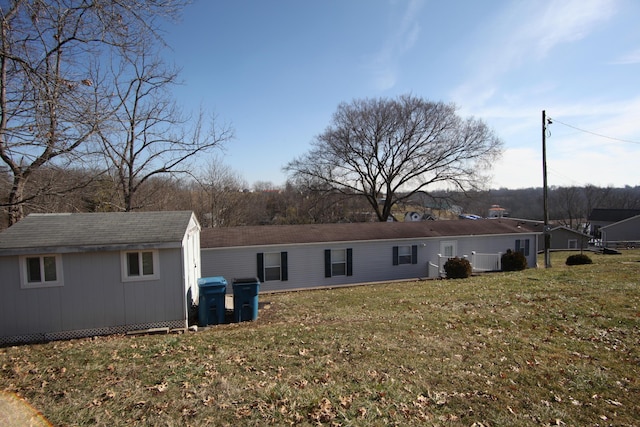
x: 612, y: 215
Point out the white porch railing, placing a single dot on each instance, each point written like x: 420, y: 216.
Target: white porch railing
x: 486, y: 262
x: 479, y: 263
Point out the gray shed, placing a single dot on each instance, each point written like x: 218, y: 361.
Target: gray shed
x: 83, y: 274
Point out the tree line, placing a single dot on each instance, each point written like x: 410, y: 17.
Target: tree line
x: 220, y: 197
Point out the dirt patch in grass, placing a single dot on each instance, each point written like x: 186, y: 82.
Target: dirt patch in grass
x: 540, y: 347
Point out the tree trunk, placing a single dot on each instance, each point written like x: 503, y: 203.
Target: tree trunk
x: 16, y: 199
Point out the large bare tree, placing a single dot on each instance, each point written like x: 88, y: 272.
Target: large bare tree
x: 51, y: 103
x: 387, y: 150
x: 148, y: 135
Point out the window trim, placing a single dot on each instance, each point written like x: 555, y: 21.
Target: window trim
x: 276, y: 256
x: 142, y: 277
x: 25, y: 284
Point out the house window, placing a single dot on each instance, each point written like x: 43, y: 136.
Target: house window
x: 140, y: 265
x: 39, y: 271
x: 338, y: 262
x: 522, y: 245
x: 272, y: 266
x: 405, y: 254
x: 573, y: 243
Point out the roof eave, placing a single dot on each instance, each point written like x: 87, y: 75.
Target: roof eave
x: 88, y: 248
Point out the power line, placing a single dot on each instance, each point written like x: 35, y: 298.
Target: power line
x: 594, y: 133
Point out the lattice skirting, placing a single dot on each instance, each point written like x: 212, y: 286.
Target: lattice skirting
x: 83, y: 333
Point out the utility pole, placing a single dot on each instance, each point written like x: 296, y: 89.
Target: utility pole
x: 545, y: 191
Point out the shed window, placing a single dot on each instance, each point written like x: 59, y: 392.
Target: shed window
x: 41, y: 271
x: 139, y: 265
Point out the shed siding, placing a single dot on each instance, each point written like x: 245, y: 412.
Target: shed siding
x: 93, y: 296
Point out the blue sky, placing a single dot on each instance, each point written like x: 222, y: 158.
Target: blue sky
x: 276, y: 70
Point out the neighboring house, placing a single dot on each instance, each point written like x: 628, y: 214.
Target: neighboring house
x: 562, y: 238
x: 623, y: 233
x: 416, y: 216
x: 82, y: 274
x: 495, y: 211
x: 599, y: 218
x: 291, y: 257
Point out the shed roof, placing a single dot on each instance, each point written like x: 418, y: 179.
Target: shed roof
x: 73, y: 232
x: 322, y: 233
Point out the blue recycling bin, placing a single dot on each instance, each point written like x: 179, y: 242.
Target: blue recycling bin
x: 211, y: 306
x: 245, y: 299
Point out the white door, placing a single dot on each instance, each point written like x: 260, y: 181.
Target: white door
x: 449, y: 248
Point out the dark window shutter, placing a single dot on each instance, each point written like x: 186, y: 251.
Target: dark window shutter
x: 518, y: 245
x: 327, y: 263
x: 349, y: 262
x: 414, y: 254
x: 526, y: 247
x: 261, y: 266
x: 395, y: 255
x: 284, y: 269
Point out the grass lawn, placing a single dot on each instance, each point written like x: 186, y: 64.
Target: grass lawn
x: 557, y: 346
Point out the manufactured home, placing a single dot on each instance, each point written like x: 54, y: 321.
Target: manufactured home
x: 83, y: 274
x: 625, y: 233
x: 293, y: 257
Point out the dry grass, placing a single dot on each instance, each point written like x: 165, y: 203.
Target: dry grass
x: 538, y: 347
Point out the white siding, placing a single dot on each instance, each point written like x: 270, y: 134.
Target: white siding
x: 372, y: 260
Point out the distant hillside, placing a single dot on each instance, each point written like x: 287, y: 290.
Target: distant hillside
x: 567, y: 205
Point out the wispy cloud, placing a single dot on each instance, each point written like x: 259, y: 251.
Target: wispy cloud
x: 525, y: 33
x: 401, y: 40
x: 629, y: 58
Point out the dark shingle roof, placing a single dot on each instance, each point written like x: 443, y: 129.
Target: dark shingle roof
x: 93, y: 231
x: 319, y: 233
x: 612, y: 215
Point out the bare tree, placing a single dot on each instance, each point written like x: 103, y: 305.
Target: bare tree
x: 148, y: 135
x: 387, y: 150
x: 223, y: 202
x: 50, y: 104
x: 568, y: 206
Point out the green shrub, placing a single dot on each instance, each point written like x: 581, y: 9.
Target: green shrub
x: 578, y: 259
x: 513, y: 261
x: 457, y: 268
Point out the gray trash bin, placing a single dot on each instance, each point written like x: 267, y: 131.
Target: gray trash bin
x: 245, y: 299
x: 211, y: 306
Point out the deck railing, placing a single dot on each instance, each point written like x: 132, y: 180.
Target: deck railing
x: 480, y: 262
